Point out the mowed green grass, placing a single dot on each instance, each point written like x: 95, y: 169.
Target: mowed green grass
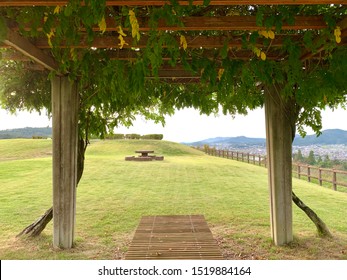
x: 114, y: 194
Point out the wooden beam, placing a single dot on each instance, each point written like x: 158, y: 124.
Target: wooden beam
x: 25, y: 47
x: 229, y: 23
x: 65, y: 112
x: 22, y: 3
x: 222, y: 23
x: 208, y: 42
x: 128, y: 54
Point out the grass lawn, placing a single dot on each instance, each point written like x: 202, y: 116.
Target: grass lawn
x: 113, y: 195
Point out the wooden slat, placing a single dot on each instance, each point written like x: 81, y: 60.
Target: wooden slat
x: 173, y: 237
x: 205, y: 23
x: 207, y: 42
x: 163, y: 2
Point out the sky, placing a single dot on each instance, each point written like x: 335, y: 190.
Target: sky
x: 186, y: 125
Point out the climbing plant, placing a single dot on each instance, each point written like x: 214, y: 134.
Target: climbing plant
x: 310, y: 65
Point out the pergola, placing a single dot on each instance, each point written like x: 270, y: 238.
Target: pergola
x: 65, y: 98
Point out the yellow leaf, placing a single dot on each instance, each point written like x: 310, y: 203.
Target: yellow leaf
x: 263, y: 56
x: 337, y: 33
x: 220, y: 73
x: 263, y: 33
x: 134, y: 25
x: 325, y: 99
x: 183, y: 42
x: 271, y: 34
x: 49, y: 36
x: 120, y: 31
x: 121, y: 41
x: 57, y: 10
x: 102, y: 25
x: 73, y: 54
x: 267, y: 34
x: 45, y: 17
x: 256, y: 51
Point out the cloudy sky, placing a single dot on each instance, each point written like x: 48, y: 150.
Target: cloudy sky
x: 187, y: 125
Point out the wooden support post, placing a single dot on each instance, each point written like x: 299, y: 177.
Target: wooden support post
x: 299, y: 172
x: 308, y: 173
x: 279, y: 162
x: 65, y: 110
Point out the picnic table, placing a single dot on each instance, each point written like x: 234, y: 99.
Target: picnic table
x: 144, y: 153
x: 144, y: 156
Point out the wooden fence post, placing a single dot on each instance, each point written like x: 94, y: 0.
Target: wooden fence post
x: 308, y: 173
x: 254, y: 159
x: 320, y: 176
x: 334, y: 181
x: 299, y: 171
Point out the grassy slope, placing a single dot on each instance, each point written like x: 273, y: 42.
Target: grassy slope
x: 114, y: 194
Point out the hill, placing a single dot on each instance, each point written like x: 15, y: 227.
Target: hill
x: 328, y: 137
x: 26, y: 132
x: 114, y: 194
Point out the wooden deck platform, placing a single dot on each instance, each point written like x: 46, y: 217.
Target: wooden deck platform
x: 173, y: 237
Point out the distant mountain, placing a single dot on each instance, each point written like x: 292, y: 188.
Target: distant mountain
x: 328, y: 137
x: 239, y: 140
x: 27, y: 132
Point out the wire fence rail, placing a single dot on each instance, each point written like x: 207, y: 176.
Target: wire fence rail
x: 334, y: 178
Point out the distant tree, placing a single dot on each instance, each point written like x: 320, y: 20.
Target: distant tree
x: 326, y: 162
x: 299, y: 157
x: 319, y: 160
x: 311, y: 160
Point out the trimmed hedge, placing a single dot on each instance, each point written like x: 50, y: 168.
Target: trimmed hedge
x: 118, y: 136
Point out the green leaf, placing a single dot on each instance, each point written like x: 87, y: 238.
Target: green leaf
x: 224, y: 50
x: 206, y: 2
x: 3, y: 29
x: 259, y: 17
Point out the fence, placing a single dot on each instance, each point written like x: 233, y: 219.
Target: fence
x: 311, y: 173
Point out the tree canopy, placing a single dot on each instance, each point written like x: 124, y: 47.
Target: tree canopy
x: 119, y: 53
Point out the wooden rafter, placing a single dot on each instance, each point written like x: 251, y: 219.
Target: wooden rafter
x: 127, y: 54
x: 25, y: 47
x: 222, y: 23
x: 22, y: 3
x: 207, y: 42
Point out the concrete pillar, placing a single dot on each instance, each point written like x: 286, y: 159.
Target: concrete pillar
x: 65, y: 133
x: 279, y: 155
